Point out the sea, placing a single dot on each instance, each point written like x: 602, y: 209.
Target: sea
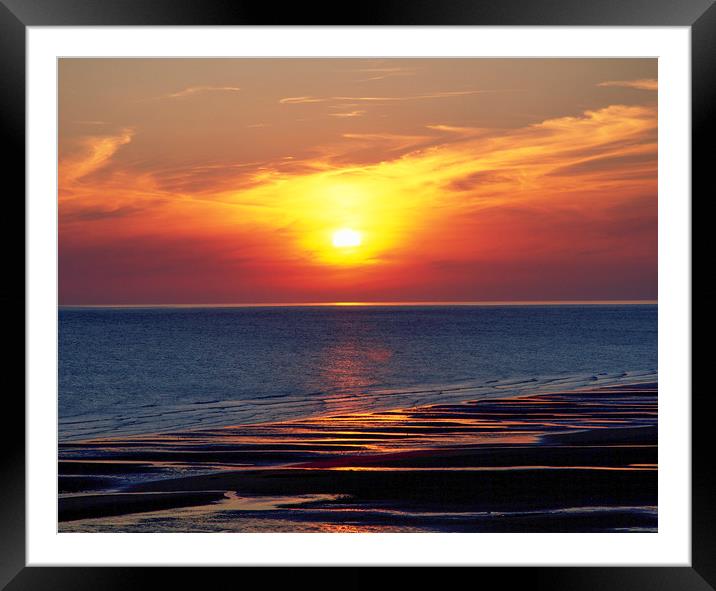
x: 142, y: 370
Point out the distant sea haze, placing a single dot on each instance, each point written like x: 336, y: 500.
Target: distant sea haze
x: 412, y: 304
x: 125, y: 370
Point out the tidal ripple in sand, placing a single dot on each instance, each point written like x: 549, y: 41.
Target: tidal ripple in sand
x: 582, y: 460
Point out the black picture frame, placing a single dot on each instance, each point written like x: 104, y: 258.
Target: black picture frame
x: 17, y: 15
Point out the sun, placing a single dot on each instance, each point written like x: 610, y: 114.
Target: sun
x: 347, y: 238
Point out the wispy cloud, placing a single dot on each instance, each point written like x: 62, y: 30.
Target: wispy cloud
x: 381, y: 143
x: 92, y: 213
x: 456, y: 129
x: 297, y: 100
x: 381, y: 73
x: 348, y: 114
x: 90, y: 122
x: 498, y: 205
x: 93, y: 153
x: 192, y: 90
x: 641, y: 84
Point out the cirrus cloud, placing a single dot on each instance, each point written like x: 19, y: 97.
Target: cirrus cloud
x: 641, y: 84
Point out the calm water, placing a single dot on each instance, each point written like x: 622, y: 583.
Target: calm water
x: 156, y: 369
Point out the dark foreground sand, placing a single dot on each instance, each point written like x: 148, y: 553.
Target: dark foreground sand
x: 564, y: 461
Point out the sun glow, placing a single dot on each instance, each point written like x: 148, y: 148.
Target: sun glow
x: 425, y: 192
x: 347, y: 238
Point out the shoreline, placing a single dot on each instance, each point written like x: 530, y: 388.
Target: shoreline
x: 574, y: 460
x: 371, y: 400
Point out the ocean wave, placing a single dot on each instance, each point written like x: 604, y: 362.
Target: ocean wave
x: 154, y: 418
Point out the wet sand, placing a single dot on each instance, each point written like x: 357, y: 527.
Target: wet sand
x: 565, y: 461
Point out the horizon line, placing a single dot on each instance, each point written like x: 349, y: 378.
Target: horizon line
x: 367, y: 304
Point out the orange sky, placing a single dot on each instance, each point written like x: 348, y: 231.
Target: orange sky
x: 224, y: 180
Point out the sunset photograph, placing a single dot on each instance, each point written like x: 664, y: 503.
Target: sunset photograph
x: 357, y: 295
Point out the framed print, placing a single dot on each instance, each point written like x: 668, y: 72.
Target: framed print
x: 408, y: 290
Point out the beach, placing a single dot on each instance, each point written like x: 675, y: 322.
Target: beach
x: 361, y: 295
x: 571, y: 460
